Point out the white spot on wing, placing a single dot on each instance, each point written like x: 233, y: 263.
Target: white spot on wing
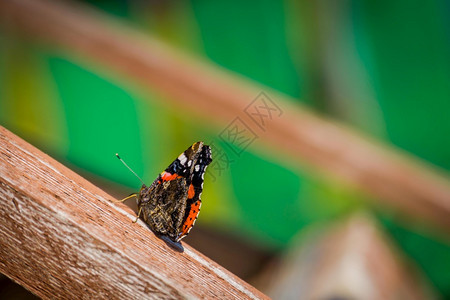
x: 189, y: 163
x: 197, y: 168
x: 182, y: 158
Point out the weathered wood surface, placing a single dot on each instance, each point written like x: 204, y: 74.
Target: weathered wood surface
x: 393, y: 178
x: 63, y: 238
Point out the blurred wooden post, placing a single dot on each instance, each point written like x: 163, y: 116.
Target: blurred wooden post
x: 394, y: 178
x: 63, y: 238
x: 352, y: 260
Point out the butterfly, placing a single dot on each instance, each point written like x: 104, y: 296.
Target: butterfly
x: 171, y: 204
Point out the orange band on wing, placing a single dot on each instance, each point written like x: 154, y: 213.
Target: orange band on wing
x: 193, y: 213
x: 191, y: 192
x: 165, y: 176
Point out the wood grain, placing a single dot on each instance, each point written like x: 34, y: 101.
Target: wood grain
x: 392, y: 177
x: 63, y: 238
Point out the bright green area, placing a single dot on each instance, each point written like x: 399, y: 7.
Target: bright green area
x: 411, y: 48
x: 101, y: 120
x: 244, y: 37
x: 381, y: 66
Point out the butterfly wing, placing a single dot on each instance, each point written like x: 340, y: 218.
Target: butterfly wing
x: 171, y: 204
x: 195, y: 191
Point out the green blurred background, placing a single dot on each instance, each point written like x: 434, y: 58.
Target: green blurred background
x: 383, y: 67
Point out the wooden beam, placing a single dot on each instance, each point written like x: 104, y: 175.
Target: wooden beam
x: 63, y: 238
x: 396, y: 179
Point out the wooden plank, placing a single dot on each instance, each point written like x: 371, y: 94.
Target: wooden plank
x: 394, y: 178
x: 63, y: 238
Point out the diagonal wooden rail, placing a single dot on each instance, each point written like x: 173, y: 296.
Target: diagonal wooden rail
x: 393, y: 177
x: 63, y: 238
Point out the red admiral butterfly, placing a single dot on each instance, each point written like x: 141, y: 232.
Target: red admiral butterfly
x: 172, y: 203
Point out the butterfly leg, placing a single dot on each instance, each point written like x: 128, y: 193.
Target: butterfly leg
x: 139, y: 213
x: 126, y: 198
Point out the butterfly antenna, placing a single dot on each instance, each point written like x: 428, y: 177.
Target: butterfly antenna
x: 117, y: 154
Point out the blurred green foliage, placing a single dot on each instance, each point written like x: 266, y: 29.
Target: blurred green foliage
x: 381, y: 66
